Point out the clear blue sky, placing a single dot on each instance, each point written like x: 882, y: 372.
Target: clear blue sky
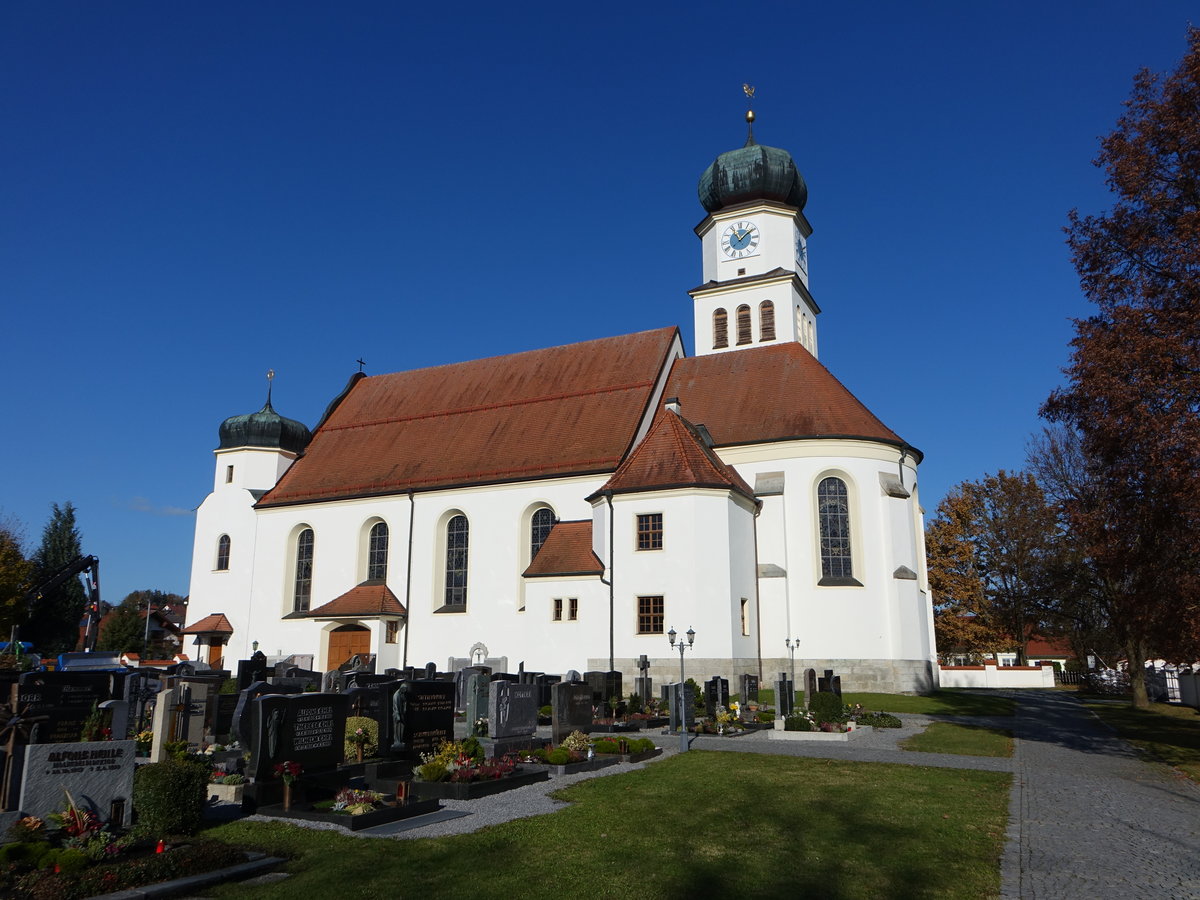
x: 193, y: 193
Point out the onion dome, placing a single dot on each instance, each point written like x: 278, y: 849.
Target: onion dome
x: 752, y: 172
x: 265, y: 428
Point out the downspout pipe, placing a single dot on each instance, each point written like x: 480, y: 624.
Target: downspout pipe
x: 412, y: 506
x: 611, y: 596
x: 757, y: 594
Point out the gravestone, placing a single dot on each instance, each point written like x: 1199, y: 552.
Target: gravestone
x: 241, y: 726
x: 97, y: 774
x: 251, y: 670
x: 598, y: 682
x: 544, y: 683
x: 309, y: 729
x: 612, y: 686
x: 512, y: 717
x: 572, y: 709
x: 225, y: 706
x: 430, y: 671
x: 830, y: 683
x: 478, y: 689
x: 810, y: 685
x: 118, y: 713
x: 422, y: 717
x: 334, y: 682
x: 179, y: 713
x: 460, y: 683
x: 643, y: 684
x: 572, y: 676
x: 716, y: 693
x: 748, y: 689
x: 785, y: 696
x: 681, y: 701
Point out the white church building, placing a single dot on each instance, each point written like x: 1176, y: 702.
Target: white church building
x: 564, y: 508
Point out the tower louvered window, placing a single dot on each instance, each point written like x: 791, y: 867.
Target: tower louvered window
x: 766, y: 321
x: 743, y: 325
x: 720, y: 329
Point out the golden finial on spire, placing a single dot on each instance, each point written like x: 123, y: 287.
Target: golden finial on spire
x: 270, y: 378
x: 748, y: 90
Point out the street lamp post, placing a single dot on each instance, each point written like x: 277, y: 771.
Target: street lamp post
x: 691, y: 639
x: 793, y: 645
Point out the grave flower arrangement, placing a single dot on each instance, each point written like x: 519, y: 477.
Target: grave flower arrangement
x: 460, y: 761
x: 355, y: 801
x: 288, y: 771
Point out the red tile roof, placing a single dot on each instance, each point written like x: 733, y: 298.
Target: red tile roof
x: 673, y: 454
x: 563, y: 410
x: 770, y: 393
x: 367, y: 600
x: 214, y: 624
x: 567, y: 550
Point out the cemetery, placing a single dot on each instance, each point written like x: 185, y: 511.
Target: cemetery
x: 107, y: 767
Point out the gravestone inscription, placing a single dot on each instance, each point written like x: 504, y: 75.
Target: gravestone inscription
x: 512, y: 710
x: 309, y: 729
x: 423, y: 717
x: 96, y: 774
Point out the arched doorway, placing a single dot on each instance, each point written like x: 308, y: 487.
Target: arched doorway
x: 345, y: 641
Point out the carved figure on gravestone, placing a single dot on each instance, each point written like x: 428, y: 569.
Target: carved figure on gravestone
x: 399, y: 707
x: 503, y: 710
x: 332, y: 683
x: 274, y: 724
x: 478, y: 654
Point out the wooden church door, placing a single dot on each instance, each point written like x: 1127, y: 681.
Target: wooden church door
x: 347, y: 640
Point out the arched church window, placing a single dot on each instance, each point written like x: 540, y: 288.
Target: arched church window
x: 377, y: 552
x: 743, y: 325
x: 302, y: 587
x: 223, y: 543
x: 457, y: 541
x: 539, y: 530
x: 766, y: 321
x: 720, y: 329
x: 833, y: 514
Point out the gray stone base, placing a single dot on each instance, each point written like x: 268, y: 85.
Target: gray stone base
x: 883, y: 676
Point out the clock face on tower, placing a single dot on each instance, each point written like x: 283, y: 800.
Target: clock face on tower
x: 801, y: 253
x: 740, y: 239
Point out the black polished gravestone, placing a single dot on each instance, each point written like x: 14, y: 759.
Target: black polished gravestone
x: 598, y: 682
x: 251, y: 670
x: 461, y: 678
x: 512, y: 710
x: 682, y: 710
x: 241, y: 728
x: 572, y: 709
x: 748, y: 689
x: 830, y: 683
x: 785, y: 696
x: 476, y: 700
x: 716, y: 693
x: 64, y: 700
x: 309, y: 729
x: 422, y: 717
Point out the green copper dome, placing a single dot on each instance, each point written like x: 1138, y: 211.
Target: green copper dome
x: 753, y: 172
x: 265, y: 428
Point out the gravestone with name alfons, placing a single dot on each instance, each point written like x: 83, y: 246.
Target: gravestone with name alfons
x: 571, y: 703
x: 96, y: 773
x: 309, y: 729
x: 423, y: 717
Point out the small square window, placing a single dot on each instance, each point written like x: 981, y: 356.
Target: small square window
x: 573, y: 609
x: 557, y: 614
x: 650, y: 531
x: 650, y: 615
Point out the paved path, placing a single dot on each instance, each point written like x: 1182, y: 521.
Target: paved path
x: 1088, y: 818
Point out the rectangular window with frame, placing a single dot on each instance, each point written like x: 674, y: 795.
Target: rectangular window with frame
x: 391, y: 632
x: 573, y: 609
x: 649, y: 531
x: 650, y: 615
x: 556, y: 615
x: 745, y: 616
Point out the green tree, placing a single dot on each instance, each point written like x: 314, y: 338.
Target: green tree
x: 53, y: 625
x: 16, y: 573
x: 1133, y: 383
x: 124, y: 629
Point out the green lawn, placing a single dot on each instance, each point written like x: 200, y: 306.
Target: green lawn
x: 939, y: 703
x: 966, y: 740
x: 1170, y: 733
x: 699, y: 824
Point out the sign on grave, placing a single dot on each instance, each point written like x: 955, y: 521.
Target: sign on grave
x: 572, y: 709
x: 512, y: 710
x: 309, y: 729
x: 422, y: 717
x: 95, y: 773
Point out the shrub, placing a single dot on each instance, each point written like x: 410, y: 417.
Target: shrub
x: 432, y: 771
x: 578, y: 741
x: 606, y: 745
x: 635, y: 704
x: 826, y: 707
x: 235, y: 778
x: 370, y: 728
x: 640, y: 745
x: 169, y: 796
x: 228, y: 686
x: 473, y: 749
x: 765, y: 717
x: 697, y: 694
x: 546, y: 711
x: 879, y: 720
x: 799, y: 722
x: 558, y: 757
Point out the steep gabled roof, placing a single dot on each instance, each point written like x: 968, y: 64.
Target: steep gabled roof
x: 366, y: 600
x: 567, y: 550
x: 772, y: 393
x: 673, y: 454
x: 564, y: 410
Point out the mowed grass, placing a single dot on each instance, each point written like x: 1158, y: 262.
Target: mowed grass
x: 938, y: 703
x: 698, y: 824
x: 1170, y: 733
x: 966, y: 740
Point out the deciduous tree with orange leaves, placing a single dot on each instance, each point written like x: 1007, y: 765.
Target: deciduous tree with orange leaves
x: 1133, y: 383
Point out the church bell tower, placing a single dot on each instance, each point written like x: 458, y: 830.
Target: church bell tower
x: 754, y: 240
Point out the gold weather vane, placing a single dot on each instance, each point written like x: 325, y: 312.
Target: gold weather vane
x: 748, y: 90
